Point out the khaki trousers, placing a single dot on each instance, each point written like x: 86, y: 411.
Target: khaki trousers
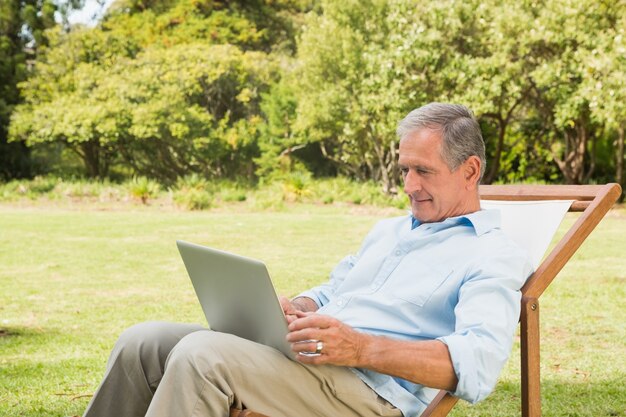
x: 161, y: 369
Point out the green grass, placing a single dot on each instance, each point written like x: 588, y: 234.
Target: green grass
x: 73, y: 277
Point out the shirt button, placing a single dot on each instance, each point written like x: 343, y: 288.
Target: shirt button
x: 398, y: 252
x: 340, y: 302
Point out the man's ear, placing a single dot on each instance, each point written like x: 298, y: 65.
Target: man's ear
x: 471, y: 172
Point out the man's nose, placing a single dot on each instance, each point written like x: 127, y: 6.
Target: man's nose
x: 412, y: 182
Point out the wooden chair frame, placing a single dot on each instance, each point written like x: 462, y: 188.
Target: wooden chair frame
x: 594, y: 201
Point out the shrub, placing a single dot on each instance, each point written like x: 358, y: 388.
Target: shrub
x: 197, y: 193
x: 193, y: 192
x: 296, y: 186
x: 233, y: 195
x: 144, y: 189
x: 192, y: 199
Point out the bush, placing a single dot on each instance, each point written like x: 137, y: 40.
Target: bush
x: 233, y: 195
x: 88, y: 189
x: 144, y: 189
x: 32, y: 189
x: 296, y: 186
x: 192, y: 199
x: 197, y: 193
x: 193, y: 192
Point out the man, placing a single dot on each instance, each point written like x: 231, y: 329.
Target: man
x: 430, y: 302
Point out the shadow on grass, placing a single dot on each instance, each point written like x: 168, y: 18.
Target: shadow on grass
x: 16, y: 341
x: 8, y: 332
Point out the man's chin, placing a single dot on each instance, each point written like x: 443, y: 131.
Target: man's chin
x: 421, y: 216
x: 419, y: 212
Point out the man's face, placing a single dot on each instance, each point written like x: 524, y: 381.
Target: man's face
x: 434, y: 191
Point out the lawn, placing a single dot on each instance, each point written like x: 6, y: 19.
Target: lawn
x: 72, y: 278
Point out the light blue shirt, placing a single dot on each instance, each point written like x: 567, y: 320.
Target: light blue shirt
x: 457, y: 281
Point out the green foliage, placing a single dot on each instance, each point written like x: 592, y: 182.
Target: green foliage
x: 144, y: 189
x: 192, y: 199
x: 276, y: 136
x: 534, y: 72
x: 296, y: 186
x: 259, y: 25
x: 192, y: 192
x: 195, y: 192
x: 177, y: 82
x: 262, y: 89
x: 29, y: 189
x: 190, y: 107
x: 22, y: 32
x: 58, y: 190
x: 351, y: 91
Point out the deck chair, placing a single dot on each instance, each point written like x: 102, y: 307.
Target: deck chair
x: 594, y: 201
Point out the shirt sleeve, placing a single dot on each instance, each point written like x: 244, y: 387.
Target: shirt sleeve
x: 486, y: 315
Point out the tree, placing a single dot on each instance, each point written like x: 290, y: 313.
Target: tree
x: 154, y: 91
x: 521, y: 67
x: 605, y: 85
x: 364, y: 65
x: 162, y: 113
x: 567, y: 33
x: 22, y: 31
x: 260, y: 25
x: 490, y: 75
x: 66, y: 74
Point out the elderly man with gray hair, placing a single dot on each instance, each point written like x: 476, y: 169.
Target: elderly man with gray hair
x: 430, y: 301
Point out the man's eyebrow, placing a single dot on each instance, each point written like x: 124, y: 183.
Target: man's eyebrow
x: 419, y: 167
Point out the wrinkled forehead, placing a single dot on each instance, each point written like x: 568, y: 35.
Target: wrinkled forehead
x: 423, y: 147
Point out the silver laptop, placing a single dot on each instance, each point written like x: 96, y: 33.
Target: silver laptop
x: 236, y: 295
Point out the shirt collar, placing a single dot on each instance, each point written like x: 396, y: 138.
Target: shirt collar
x: 482, y: 221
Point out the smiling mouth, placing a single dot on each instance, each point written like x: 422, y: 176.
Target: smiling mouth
x: 419, y: 200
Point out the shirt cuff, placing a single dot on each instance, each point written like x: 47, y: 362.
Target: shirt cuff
x: 312, y: 295
x: 477, y: 372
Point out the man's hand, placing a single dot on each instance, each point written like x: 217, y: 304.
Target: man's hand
x: 342, y: 345
x: 297, y: 307
x: 290, y: 311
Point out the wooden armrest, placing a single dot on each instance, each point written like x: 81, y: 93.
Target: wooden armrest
x: 441, y: 405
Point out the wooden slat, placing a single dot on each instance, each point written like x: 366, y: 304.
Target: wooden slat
x: 579, y: 205
x: 540, y: 192
x: 441, y: 405
x: 530, y: 354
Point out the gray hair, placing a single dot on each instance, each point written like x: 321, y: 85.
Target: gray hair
x: 460, y: 132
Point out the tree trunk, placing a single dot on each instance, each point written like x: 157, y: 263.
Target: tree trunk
x: 592, y: 160
x: 619, y: 165
x: 90, y: 155
x: 572, y: 165
x: 382, y: 165
x: 503, y: 123
x: 495, y: 163
x: 392, y: 168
